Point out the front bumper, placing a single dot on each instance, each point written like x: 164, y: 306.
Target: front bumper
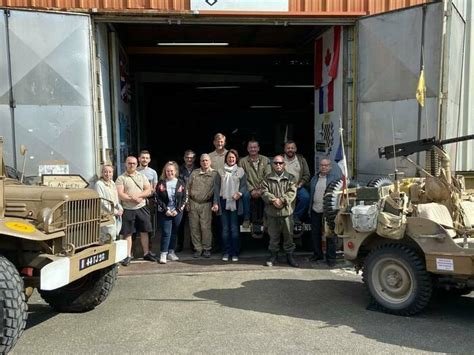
x: 64, y: 270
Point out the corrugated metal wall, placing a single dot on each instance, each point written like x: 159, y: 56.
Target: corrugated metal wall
x: 297, y: 7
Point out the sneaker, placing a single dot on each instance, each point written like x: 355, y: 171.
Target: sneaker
x: 235, y: 258
x: 197, y: 254
x: 207, y: 254
x: 126, y: 261
x: 246, y: 224
x: 225, y: 257
x: 172, y: 256
x: 150, y: 257
x: 163, y: 258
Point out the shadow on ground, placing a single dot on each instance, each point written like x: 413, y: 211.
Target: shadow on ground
x: 343, y: 303
x: 38, y: 313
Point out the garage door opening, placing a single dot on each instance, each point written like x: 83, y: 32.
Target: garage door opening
x: 248, y: 82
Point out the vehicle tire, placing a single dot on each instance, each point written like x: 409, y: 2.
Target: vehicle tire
x: 14, y: 309
x: 379, y: 182
x: 84, y: 294
x: 331, y: 202
x: 397, y: 280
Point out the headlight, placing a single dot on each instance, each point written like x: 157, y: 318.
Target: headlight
x: 47, y: 216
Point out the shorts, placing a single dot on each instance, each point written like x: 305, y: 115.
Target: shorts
x: 134, y: 221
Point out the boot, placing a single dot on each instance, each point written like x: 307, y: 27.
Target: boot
x: 291, y: 261
x: 272, y: 260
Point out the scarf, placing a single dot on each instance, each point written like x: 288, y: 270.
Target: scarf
x: 230, y: 185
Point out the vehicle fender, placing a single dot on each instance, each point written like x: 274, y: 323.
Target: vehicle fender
x: 25, y: 229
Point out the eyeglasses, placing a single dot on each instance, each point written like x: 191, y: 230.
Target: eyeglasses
x: 278, y: 162
x: 131, y: 163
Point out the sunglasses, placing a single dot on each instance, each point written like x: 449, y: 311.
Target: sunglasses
x: 278, y: 162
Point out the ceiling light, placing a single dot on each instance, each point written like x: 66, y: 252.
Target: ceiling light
x: 190, y: 44
x: 265, y: 106
x: 216, y: 87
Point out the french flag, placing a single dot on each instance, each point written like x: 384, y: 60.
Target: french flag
x: 340, y: 159
x: 326, y: 51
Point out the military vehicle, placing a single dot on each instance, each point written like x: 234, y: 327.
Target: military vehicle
x: 413, y: 237
x: 50, y: 242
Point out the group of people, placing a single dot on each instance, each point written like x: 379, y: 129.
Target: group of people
x: 221, y: 190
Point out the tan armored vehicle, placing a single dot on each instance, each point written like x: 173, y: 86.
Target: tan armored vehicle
x: 49, y: 240
x: 412, y: 237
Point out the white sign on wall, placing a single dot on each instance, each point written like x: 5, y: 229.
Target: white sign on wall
x: 239, y: 5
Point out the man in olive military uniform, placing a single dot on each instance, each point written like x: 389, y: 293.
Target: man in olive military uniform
x: 203, y: 195
x: 278, y: 193
x: 256, y: 167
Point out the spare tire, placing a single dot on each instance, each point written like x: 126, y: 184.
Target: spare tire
x: 379, y: 181
x: 331, y: 202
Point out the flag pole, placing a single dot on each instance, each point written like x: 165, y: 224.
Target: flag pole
x: 344, y: 165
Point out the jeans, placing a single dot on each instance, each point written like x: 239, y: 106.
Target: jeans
x: 302, y: 203
x: 169, y: 231
x: 317, y: 224
x: 246, y: 205
x: 230, y: 231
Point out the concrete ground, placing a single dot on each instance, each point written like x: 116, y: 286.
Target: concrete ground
x: 209, y: 306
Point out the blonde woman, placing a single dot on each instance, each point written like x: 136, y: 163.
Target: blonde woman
x: 171, y: 199
x: 106, y: 189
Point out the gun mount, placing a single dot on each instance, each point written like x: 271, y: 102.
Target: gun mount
x: 406, y: 149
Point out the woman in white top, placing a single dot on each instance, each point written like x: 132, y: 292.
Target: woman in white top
x: 107, y: 190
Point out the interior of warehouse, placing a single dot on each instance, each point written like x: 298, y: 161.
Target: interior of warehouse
x: 246, y: 81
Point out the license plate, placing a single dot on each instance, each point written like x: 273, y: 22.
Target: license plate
x: 92, y: 260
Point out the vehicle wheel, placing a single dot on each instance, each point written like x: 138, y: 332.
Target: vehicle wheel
x: 397, y: 280
x: 331, y: 202
x: 13, y: 306
x: 379, y: 182
x: 84, y: 294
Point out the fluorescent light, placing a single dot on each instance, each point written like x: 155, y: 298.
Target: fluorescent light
x: 294, y: 86
x: 193, y: 44
x: 265, y: 106
x: 216, y: 87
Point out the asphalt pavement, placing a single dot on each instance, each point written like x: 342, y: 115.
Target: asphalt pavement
x: 209, y: 306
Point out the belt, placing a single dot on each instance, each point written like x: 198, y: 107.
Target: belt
x: 200, y: 202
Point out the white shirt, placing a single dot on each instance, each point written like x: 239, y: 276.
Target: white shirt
x: 319, y: 194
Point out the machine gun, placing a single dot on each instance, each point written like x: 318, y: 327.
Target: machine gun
x: 427, y: 144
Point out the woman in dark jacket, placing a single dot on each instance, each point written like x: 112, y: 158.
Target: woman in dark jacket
x: 171, y: 199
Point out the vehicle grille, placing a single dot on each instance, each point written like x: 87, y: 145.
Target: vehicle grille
x: 80, y: 221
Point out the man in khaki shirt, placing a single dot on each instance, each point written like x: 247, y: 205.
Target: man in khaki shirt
x: 218, y: 155
x: 133, y: 188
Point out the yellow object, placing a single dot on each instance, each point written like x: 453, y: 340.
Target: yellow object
x: 20, y: 227
x: 421, y: 89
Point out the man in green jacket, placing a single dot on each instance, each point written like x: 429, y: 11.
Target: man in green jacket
x: 297, y: 165
x: 278, y: 193
x: 256, y: 167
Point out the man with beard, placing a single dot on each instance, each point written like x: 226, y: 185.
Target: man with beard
x: 296, y: 165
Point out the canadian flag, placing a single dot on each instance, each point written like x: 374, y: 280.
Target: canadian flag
x: 326, y: 52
